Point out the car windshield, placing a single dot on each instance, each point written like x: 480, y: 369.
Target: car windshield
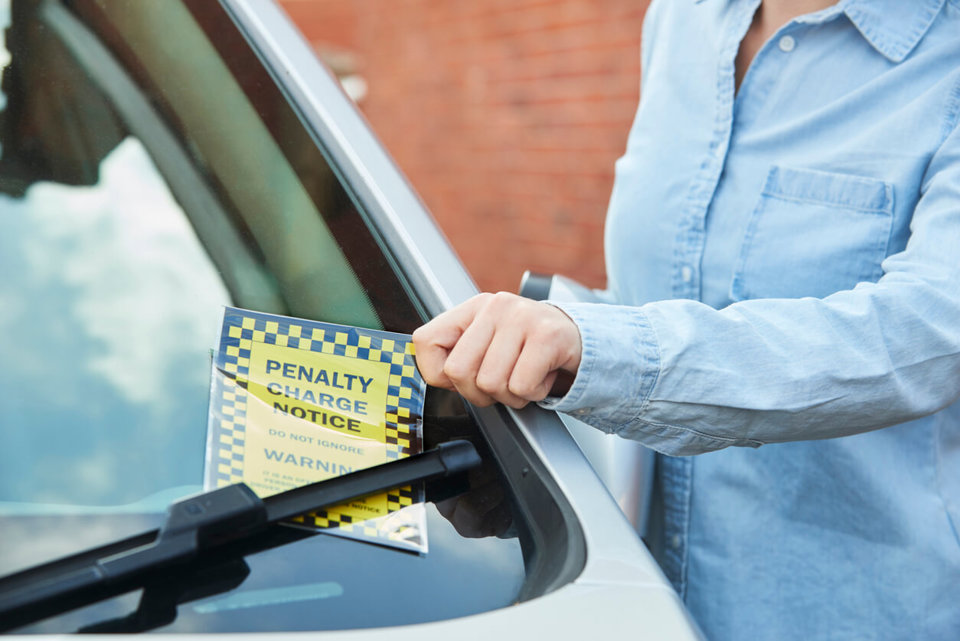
x: 152, y: 171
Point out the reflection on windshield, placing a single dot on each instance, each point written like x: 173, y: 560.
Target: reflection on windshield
x: 109, y: 306
x: 108, y: 310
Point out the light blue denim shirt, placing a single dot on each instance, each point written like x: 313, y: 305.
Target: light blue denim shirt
x: 786, y: 263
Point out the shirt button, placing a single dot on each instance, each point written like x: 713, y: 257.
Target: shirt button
x: 686, y: 273
x: 787, y: 44
x: 675, y: 541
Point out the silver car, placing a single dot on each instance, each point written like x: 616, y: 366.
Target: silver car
x: 161, y: 160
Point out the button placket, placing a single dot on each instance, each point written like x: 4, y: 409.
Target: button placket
x: 692, y: 233
x: 676, y: 479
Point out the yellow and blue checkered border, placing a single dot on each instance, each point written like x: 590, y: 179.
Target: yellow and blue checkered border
x: 404, y: 402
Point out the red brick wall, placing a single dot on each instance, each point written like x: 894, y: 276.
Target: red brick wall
x: 506, y: 115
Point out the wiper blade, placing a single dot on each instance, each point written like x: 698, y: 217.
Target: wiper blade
x: 217, y: 523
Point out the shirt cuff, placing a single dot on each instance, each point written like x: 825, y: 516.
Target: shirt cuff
x: 619, y: 365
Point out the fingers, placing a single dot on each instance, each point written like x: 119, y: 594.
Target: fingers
x: 465, y: 359
x: 498, y: 348
x: 494, y: 372
x: 533, y: 375
x: 536, y: 370
x: 434, y: 340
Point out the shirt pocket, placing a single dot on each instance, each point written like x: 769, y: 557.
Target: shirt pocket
x: 813, y: 233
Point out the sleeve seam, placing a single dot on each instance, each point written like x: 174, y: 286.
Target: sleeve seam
x: 952, y: 117
x: 950, y: 123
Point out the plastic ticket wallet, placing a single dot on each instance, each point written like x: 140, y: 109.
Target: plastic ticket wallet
x: 297, y: 401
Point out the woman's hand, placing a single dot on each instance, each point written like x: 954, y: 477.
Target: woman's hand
x: 499, y: 348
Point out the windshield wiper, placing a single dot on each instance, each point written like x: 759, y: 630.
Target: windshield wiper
x: 207, y: 534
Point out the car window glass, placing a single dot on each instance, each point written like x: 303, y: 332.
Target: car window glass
x: 143, y: 186
x: 237, y: 150
x: 101, y: 329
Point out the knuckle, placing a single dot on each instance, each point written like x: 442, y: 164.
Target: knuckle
x: 549, y: 331
x: 434, y: 377
x: 455, y: 370
x: 489, y: 384
x: 432, y: 374
x: 535, y: 315
x: 539, y: 328
x: 501, y: 301
x: 522, y: 388
x: 419, y: 335
x: 484, y: 298
x: 549, y: 326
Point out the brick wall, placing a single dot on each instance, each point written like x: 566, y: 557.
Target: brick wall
x: 506, y: 115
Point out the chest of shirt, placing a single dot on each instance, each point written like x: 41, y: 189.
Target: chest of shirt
x: 799, y: 184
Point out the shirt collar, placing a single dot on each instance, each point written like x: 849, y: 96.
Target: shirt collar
x: 892, y: 27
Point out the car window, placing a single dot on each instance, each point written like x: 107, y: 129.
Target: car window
x: 107, y: 299
x: 151, y: 172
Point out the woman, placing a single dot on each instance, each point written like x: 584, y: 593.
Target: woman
x: 783, y: 252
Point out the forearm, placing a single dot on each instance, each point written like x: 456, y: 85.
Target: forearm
x: 685, y: 378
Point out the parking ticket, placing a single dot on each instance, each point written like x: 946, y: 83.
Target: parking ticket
x: 296, y: 401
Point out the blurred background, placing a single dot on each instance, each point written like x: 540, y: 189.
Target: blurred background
x: 506, y: 115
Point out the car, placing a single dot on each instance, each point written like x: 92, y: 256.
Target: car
x: 163, y: 160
